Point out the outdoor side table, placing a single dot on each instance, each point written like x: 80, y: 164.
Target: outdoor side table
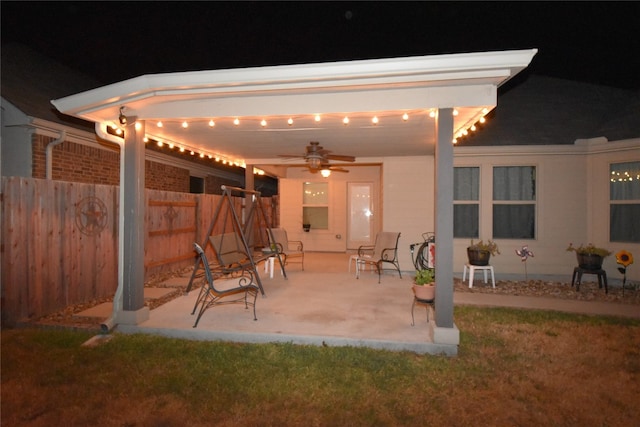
x: 269, y: 265
x: 472, y: 270
x: 602, y: 277
x: 354, y: 259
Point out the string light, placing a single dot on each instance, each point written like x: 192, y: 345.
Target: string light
x: 375, y: 120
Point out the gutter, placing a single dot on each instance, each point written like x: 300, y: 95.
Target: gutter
x: 49, y: 153
x: 111, y: 321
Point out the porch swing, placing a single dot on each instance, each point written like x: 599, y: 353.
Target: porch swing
x: 237, y: 248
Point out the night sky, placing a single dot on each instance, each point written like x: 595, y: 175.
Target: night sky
x: 596, y: 42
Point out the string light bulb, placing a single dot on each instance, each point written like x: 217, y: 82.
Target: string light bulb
x: 345, y: 120
x: 290, y: 121
x: 263, y: 123
x: 212, y: 123
x: 317, y: 118
x: 375, y: 120
x: 236, y: 121
x: 405, y: 117
x: 185, y: 125
x: 159, y: 124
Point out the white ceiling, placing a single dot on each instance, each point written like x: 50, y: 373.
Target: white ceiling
x: 358, y: 90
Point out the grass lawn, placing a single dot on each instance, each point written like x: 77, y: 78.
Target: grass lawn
x: 514, y: 368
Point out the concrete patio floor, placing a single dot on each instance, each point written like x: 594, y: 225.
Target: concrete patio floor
x: 326, y: 305
x: 322, y: 305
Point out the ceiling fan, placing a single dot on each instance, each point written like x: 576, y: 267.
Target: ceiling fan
x: 318, y: 158
x: 328, y: 167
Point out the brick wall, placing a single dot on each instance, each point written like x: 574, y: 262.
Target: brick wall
x: 81, y: 163
x: 163, y: 177
x: 77, y: 162
x: 101, y: 165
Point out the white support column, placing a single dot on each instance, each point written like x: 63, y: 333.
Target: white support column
x: 445, y: 331
x: 132, y: 224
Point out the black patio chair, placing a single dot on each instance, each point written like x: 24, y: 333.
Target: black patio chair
x: 210, y: 296
x: 384, y: 252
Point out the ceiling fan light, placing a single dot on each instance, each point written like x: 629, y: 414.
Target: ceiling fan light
x: 314, y: 163
x: 325, y: 173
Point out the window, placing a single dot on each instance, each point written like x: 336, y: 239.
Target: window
x: 315, y: 205
x: 196, y: 184
x: 466, y: 206
x: 624, y: 208
x: 514, y: 207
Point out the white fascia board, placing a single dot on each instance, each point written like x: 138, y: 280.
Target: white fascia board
x: 504, y: 64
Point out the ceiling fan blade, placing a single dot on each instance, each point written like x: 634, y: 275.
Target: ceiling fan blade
x: 340, y: 158
x: 291, y: 156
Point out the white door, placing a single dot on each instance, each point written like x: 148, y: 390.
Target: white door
x: 360, y: 200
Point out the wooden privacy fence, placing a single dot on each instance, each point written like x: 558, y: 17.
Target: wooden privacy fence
x: 60, y: 241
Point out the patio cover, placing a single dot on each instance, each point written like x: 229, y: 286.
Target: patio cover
x: 442, y: 95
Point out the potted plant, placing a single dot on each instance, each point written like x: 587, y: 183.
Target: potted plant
x: 479, y: 253
x: 424, y: 286
x: 589, y: 257
x: 306, y: 227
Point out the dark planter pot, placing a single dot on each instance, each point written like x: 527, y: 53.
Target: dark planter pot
x: 477, y: 257
x: 589, y: 262
x: 306, y: 227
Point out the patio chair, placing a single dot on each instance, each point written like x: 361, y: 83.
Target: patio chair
x: 385, y: 251
x: 292, y: 250
x: 211, y: 296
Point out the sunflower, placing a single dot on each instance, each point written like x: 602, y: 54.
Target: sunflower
x: 624, y: 258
